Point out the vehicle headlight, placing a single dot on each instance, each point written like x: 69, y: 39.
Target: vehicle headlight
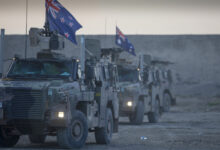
x: 129, y: 103
x: 61, y: 114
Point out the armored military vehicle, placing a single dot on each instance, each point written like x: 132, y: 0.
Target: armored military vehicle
x: 163, y: 77
x: 138, y: 93
x: 58, y: 96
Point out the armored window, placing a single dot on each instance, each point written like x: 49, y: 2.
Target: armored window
x: 158, y: 76
x: 97, y: 73
x: 41, y: 68
x: 127, y: 74
x: 169, y: 74
x: 106, y: 73
x: 103, y: 73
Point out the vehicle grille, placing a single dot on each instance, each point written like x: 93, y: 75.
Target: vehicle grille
x: 26, y: 104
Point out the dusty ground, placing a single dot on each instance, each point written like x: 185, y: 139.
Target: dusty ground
x: 194, y: 124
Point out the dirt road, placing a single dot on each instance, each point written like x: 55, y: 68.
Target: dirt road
x: 194, y: 124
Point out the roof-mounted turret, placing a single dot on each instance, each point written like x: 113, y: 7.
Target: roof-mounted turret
x: 49, y: 55
x: 111, y: 53
x: 46, y: 41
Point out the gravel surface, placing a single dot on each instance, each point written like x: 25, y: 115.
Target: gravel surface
x: 194, y: 124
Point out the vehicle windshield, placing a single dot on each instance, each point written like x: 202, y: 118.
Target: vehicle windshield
x: 41, y: 68
x: 127, y: 75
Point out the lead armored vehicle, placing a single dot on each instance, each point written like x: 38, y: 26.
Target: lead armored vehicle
x: 58, y: 96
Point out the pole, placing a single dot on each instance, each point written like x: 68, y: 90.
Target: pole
x: 26, y: 35
x: 82, y: 57
x: 46, y: 25
x: 105, y: 26
x: 2, y: 51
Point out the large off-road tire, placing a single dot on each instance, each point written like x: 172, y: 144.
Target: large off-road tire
x: 154, y: 116
x: 166, y: 102
x: 75, y: 135
x: 104, y: 135
x: 138, y: 116
x: 37, y: 139
x: 7, y: 140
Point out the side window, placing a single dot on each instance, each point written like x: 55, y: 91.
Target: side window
x: 154, y: 76
x: 106, y: 73
x: 103, y: 73
x: 158, y: 76
x: 169, y: 74
x: 146, y: 75
x: 75, y: 70
x: 97, y: 74
x: 113, y: 74
x: 163, y: 74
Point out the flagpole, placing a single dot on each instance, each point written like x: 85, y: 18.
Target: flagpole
x: 26, y: 35
x: 105, y: 27
x: 113, y: 42
x: 46, y: 24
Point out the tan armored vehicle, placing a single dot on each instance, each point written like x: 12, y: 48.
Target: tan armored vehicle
x: 58, y: 96
x: 139, y: 95
x: 163, y: 77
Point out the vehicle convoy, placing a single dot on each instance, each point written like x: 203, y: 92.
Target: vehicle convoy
x: 163, y: 77
x: 139, y: 95
x: 58, y: 96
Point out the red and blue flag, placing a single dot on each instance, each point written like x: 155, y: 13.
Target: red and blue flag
x: 123, y: 42
x: 61, y: 21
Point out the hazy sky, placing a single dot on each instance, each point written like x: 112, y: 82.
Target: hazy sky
x: 132, y: 16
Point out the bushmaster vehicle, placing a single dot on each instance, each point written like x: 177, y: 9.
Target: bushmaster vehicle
x: 58, y: 96
x: 163, y: 77
x: 139, y: 95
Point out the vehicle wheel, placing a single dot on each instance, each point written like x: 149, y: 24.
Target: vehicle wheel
x: 75, y: 135
x: 153, y: 117
x: 104, y: 135
x: 166, y: 102
x: 37, y: 139
x: 138, y: 116
x: 7, y: 140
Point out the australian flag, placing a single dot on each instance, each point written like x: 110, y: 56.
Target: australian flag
x: 123, y: 42
x: 61, y: 21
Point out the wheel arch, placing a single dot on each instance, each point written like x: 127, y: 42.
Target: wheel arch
x: 81, y: 106
x: 167, y: 91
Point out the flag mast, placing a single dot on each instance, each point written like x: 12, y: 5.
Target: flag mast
x: 46, y: 25
x: 26, y: 35
x: 47, y: 31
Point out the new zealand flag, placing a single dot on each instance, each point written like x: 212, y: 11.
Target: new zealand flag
x: 123, y: 42
x: 61, y: 21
